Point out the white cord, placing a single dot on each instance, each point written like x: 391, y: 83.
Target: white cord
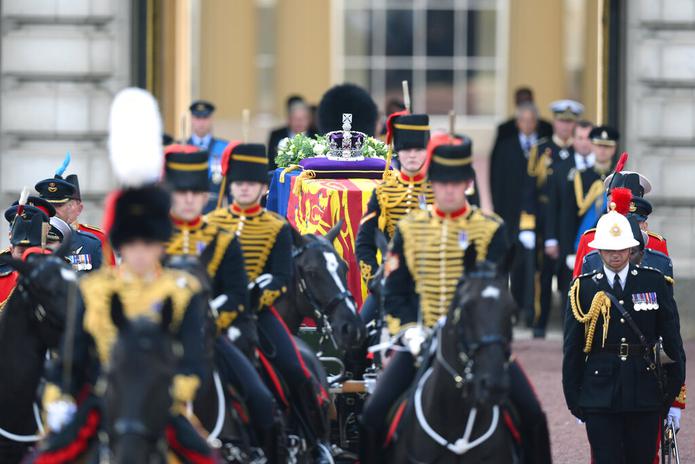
x: 462, y: 445
x: 19, y: 438
x: 37, y: 418
x: 220, y: 409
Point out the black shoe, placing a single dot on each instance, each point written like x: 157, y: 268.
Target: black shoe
x: 538, y: 333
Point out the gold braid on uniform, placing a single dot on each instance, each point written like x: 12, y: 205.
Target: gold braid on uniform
x: 366, y: 271
x: 669, y: 280
x: 600, y: 307
x: 256, y: 236
x: 398, y: 199
x: 537, y: 165
x: 682, y: 397
x: 584, y: 202
x: 221, y: 245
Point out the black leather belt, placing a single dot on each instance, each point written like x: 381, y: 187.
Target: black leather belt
x: 623, y: 350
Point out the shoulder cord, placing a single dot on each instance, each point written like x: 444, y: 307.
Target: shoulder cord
x: 600, y: 306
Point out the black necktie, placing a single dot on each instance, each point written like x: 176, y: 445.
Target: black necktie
x: 617, y: 289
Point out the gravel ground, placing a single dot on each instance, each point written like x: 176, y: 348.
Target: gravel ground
x: 542, y: 360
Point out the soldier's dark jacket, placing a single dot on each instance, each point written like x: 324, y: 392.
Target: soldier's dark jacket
x: 544, y: 157
x: 596, y: 377
x: 95, y: 332
x: 390, y: 201
x: 425, y: 261
x: 266, y: 243
x: 223, y: 262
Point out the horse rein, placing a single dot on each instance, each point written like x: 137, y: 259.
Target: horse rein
x: 320, y: 311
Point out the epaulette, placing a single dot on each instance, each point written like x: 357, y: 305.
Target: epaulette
x: 649, y: 268
x: 588, y: 274
x: 492, y: 216
x: 543, y: 140
x: 87, y: 235
x: 656, y: 236
x: 94, y: 228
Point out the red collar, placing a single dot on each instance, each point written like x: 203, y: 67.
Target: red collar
x: 419, y: 177
x: 252, y: 211
x: 452, y: 215
x: 181, y: 224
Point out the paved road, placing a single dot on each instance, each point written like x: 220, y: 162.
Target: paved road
x: 542, y: 360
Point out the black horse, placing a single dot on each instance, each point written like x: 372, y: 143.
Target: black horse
x: 30, y: 324
x: 137, y: 399
x: 455, y: 413
x: 319, y: 291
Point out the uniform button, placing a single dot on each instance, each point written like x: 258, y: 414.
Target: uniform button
x: 622, y: 340
x: 621, y: 302
x: 596, y: 372
x: 622, y: 321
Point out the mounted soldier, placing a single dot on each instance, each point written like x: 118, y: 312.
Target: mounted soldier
x: 423, y: 269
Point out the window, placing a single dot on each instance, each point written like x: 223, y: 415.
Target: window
x: 448, y: 50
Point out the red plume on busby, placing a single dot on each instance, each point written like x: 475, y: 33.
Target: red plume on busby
x: 389, y: 124
x: 621, y: 162
x: 620, y: 200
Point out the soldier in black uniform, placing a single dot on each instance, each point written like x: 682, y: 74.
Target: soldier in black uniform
x: 546, y: 157
x: 215, y: 256
x: 141, y: 227
x: 575, y: 191
x: 85, y: 250
x: 609, y: 376
x: 266, y: 243
x: 396, y: 197
x: 423, y: 267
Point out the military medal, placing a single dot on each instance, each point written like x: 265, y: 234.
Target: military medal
x: 564, y: 154
x: 422, y: 201
x: 463, y: 240
x: 638, y: 302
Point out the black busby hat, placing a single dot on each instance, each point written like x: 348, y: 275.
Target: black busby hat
x: 347, y: 98
x: 604, y: 135
x: 141, y: 213
x: 411, y: 131
x: 451, y: 159
x: 245, y: 162
x: 55, y: 190
x: 186, y: 168
x: 27, y: 228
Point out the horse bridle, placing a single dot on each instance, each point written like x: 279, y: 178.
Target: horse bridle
x: 467, y: 351
x: 38, y: 312
x: 320, y: 311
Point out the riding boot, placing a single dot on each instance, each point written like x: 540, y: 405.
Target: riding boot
x: 274, y: 441
x: 371, y: 446
x: 537, y: 444
x: 311, y: 410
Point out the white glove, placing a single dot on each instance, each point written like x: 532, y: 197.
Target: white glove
x: 413, y: 338
x: 674, y: 417
x: 528, y: 239
x: 233, y: 333
x: 59, y: 413
x: 263, y: 280
x: 569, y: 261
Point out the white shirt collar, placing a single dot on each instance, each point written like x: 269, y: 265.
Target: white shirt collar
x: 584, y: 162
x: 205, y: 141
x: 610, y: 275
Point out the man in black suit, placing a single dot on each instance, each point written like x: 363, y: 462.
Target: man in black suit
x: 509, y: 128
x: 298, y: 122
x: 508, y: 161
x: 615, y: 318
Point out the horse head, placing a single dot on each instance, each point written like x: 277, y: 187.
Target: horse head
x: 46, y: 286
x: 137, y: 398
x: 322, y: 293
x: 478, y: 331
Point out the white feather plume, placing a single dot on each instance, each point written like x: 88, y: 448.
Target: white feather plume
x: 135, y: 138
